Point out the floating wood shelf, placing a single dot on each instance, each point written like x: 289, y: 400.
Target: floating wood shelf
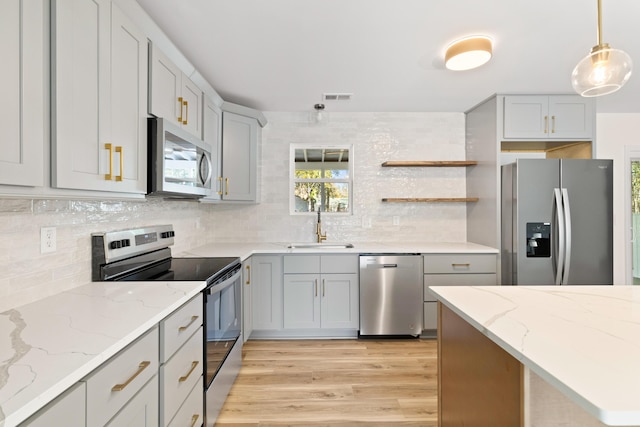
x: 429, y: 199
x: 426, y: 163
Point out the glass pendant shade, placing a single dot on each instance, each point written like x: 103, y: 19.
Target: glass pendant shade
x: 603, y: 71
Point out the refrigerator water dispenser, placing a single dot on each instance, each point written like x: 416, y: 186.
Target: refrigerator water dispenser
x: 538, y: 240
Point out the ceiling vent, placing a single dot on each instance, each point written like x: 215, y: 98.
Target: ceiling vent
x: 337, y: 96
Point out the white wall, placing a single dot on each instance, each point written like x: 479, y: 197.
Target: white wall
x: 614, y: 133
x: 26, y: 275
x: 376, y: 137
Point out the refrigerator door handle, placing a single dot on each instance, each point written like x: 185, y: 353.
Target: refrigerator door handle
x: 567, y: 222
x: 558, y: 214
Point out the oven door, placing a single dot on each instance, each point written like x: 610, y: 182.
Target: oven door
x: 223, y: 314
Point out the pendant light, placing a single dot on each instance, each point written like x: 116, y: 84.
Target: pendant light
x: 604, y: 70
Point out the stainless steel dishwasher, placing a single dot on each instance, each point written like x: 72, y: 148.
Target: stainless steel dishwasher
x: 391, y: 299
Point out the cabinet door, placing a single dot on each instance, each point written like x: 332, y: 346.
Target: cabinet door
x: 266, y: 292
x: 166, y: 88
x: 571, y: 117
x: 68, y: 409
x: 141, y: 410
x: 339, y: 294
x: 80, y: 94
x: 129, y: 101
x: 301, y: 301
x: 192, y: 107
x: 526, y: 117
x: 99, y: 91
x: 212, y: 134
x: 22, y: 110
x: 239, y: 157
x: 247, y: 310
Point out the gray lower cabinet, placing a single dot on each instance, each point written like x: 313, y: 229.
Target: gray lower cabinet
x: 320, y: 292
x: 150, y: 382
x: 454, y: 270
x: 266, y: 292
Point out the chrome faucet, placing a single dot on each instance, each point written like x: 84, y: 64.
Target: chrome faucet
x: 321, y: 237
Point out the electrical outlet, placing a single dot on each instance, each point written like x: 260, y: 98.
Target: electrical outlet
x: 396, y: 220
x: 47, y: 239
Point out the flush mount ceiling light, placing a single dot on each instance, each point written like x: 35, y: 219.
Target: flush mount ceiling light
x: 604, y: 70
x: 467, y: 53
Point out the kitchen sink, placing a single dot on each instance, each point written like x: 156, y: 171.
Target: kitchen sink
x: 319, y: 245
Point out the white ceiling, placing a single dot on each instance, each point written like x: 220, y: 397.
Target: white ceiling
x: 282, y: 55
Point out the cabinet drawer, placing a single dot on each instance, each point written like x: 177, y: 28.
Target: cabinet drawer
x: 113, y: 384
x: 68, y: 409
x: 179, y: 326
x: 430, y: 316
x: 301, y: 264
x: 179, y: 375
x: 142, y: 410
x: 339, y: 264
x: 487, y: 279
x: 460, y: 263
x: 191, y: 413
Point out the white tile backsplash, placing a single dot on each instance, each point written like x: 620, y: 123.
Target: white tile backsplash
x: 26, y: 275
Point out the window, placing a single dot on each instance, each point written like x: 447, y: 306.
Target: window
x: 321, y: 178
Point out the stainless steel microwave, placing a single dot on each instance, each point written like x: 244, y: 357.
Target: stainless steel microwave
x: 179, y: 163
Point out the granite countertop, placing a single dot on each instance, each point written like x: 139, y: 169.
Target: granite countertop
x: 49, y: 345
x: 245, y: 250
x: 583, y: 340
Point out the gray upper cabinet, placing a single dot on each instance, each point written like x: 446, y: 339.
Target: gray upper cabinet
x: 212, y: 135
x: 172, y: 95
x: 99, y: 98
x: 554, y: 117
x: 238, y: 178
x: 22, y: 110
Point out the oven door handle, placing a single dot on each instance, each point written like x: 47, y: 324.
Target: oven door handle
x: 217, y: 287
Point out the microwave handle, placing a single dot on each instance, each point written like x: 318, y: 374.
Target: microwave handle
x: 204, y: 168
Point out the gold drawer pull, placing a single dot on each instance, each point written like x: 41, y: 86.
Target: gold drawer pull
x: 553, y: 124
x: 220, y: 191
x: 186, y: 115
x: 194, y: 419
x: 226, y: 184
x: 460, y: 265
x: 193, y: 366
x: 248, y: 282
x: 141, y: 367
x: 109, y: 176
x: 184, y: 328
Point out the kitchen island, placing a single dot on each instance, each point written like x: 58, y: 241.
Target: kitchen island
x: 539, y: 355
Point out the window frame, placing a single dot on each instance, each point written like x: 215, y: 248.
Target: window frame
x: 293, y: 180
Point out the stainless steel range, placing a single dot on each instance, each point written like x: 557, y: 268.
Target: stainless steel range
x: 143, y: 254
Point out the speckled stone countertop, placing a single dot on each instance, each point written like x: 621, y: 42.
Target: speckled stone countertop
x: 583, y: 340
x: 49, y: 345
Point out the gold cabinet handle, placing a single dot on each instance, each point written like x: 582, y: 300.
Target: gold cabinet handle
x: 226, y: 186
x: 546, y: 124
x: 185, y: 327
x: 109, y: 176
x: 186, y: 112
x: 220, y: 190
x: 194, y: 419
x: 120, y: 151
x: 141, y: 367
x: 460, y: 265
x: 248, y: 282
x: 181, y: 104
x: 553, y: 124
x: 316, y: 287
x: 193, y: 366
x: 323, y: 287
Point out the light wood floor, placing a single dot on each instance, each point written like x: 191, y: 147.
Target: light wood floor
x: 334, y: 383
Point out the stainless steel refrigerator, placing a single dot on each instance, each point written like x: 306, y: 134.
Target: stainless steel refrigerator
x: 557, y: 222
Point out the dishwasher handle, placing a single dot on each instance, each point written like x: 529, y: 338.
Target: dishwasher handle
x: 382, y: 265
